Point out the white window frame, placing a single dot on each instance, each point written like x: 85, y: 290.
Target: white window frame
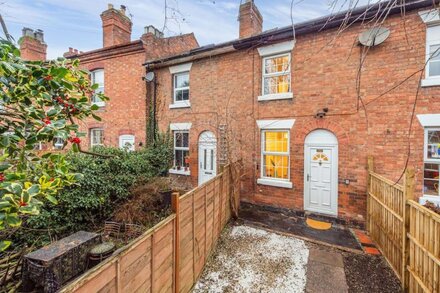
x: 426, y: 160
x: 176, y: 70
x: 127, y: 137
x: 91, y: 131
x: 101, y: 86
x: 425, y: 146
x: 274, y: 125
x: 175, y: 148
x: 277, y: 96
x: 430, y: 80
x: 432, y: 19
x: 184, y: 103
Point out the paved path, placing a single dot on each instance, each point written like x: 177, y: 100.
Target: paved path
x: 325, y: 272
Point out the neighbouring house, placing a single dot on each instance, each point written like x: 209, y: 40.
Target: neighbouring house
x: 117, y: 68
x: 301, y: 114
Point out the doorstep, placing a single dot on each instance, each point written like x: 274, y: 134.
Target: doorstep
x: 294, y: 224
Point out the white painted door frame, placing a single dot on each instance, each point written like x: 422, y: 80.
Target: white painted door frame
x: 207, y: 161
x: 321, y: 139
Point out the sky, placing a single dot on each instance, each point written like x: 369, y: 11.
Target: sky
x: 77, y: 23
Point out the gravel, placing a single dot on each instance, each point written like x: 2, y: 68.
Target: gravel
x: 254, y: 260
x: 368, y: 273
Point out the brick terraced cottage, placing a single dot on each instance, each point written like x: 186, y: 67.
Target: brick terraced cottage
x: 117, y: 68
x: 301, y: 114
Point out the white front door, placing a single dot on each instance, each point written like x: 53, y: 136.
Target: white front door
x: 207, y: 157
x: 126, y: 141
x: 321, y: 178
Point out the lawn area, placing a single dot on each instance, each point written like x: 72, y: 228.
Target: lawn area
x: 249, y: 259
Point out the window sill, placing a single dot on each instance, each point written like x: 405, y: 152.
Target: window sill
x: 180, y: 105
x: 179, y: 172
x: 272, y: 97
x: 275, y: 183
x: 427, y: 82
x: 432, y: 198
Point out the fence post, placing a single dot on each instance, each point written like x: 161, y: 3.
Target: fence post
x: 370, y: 169
x: 408, y: 193
x: 175, y: 205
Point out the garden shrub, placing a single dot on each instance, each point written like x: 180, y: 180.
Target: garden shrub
x: 105, y: 185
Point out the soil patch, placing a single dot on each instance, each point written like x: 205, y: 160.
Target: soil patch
x: 369, y: 273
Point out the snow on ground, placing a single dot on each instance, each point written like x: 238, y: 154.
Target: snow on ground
x: 254, y: 260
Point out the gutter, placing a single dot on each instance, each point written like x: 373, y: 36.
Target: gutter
x: 286, y: 33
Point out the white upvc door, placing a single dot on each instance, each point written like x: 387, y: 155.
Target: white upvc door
x: 321, y: 179
x: 207, y: 157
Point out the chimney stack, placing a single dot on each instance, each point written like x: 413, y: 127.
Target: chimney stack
x: 32, y: 45
x: 116, y: 26
x: 251, y: 20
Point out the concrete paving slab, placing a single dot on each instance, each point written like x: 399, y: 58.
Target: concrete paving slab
x: 325, y: 278
x: 326, y: 257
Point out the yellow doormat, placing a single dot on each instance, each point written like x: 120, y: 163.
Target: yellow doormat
x: 318, y: 225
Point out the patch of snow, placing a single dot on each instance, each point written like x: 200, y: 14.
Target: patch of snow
x: 240, y: 271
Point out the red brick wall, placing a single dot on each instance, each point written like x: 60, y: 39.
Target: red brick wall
x: 125, y: 112
x: 224, y: 89
x: 32, y: 49
x: 251, y: 20
x: 116, y: 27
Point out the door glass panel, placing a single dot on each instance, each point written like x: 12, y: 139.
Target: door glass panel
x: 204, y: 159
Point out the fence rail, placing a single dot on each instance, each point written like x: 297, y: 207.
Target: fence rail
x: 170, y: 256
x: 407, y: 233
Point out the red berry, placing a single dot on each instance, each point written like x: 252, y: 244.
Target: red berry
x: 46, y: 120
x: 48, y: 77
x: 2, y: 177
x: 22, y: 203
x: 75, y: 140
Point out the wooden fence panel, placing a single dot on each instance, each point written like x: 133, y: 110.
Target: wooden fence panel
x: 203, y: 213
x: 385, y: 214
x: 171, y: 256
x: 145, y: 265
x: 424, y: 249
x: 407, y: 233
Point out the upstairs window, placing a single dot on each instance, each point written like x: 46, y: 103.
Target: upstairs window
x: 433, y: 65
x: 276, y: 71
x: 181, y: 87
x: 432, y: 71
x: 96, y: 137
x: 276, y: 74
x: 97, y: 76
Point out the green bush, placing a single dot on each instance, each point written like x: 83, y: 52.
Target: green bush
x: 105, y: 184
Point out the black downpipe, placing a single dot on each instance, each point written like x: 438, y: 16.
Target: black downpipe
x: 154, y: 107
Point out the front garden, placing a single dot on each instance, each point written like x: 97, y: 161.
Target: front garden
x: 125, y: 188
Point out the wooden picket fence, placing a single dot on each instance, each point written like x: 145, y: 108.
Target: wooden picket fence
x: 407, y: 233
x: 170, y: 256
